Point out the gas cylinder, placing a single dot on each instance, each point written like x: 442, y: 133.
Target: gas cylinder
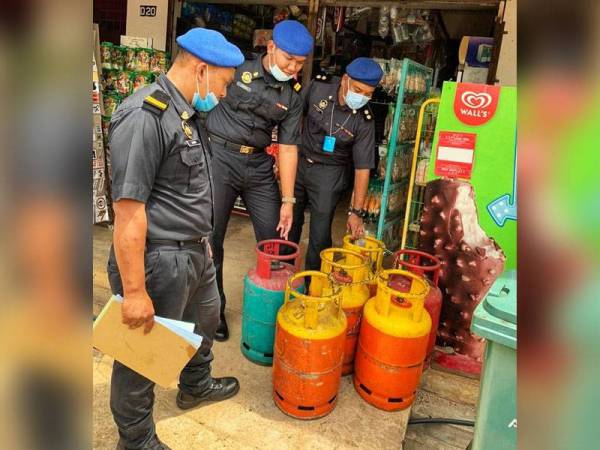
x: 264, y: 289
x: 351, y: 271
x: 392, y: 343
x: 371, y: 248
x: 428, y: 267
x: 309, y: 348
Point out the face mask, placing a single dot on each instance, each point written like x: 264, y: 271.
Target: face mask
x: 279, y: 74
x: 204, y: 104
x: 354, y: 100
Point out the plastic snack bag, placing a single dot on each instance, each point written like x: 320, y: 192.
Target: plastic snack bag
x: 143, y: 59
x: 118, y: 57
x: 123, y: 84
x: 105, y: 55
x: 130, y: 59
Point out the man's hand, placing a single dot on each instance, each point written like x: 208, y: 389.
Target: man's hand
x: 138, y: 310
x: 286, y: 215
x: 355, y: 226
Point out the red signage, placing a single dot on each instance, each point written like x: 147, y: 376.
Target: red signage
x: 455, y: 155
x: 475, y: 104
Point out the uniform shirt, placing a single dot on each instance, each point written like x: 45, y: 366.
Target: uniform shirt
x: 354, y: 130
x: 255, y: 103
x: 155, y: 162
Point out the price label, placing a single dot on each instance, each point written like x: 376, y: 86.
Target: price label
x: 147, y: 11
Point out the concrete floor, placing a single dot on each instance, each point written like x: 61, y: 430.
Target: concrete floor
x: 251, y: 419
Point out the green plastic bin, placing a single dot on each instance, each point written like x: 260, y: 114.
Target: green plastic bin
x: 495, y: 319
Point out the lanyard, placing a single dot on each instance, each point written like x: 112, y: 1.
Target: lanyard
x: 331, y: 132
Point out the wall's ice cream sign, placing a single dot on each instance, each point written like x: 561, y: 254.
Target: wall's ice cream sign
x: 475, y: 104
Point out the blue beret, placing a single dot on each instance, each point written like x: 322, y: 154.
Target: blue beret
x: 293, y: 37
x: 211, y: 47
x: 365, y: 70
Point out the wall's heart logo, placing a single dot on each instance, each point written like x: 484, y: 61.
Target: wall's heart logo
x: 475, y: 104
x: 476, y: 101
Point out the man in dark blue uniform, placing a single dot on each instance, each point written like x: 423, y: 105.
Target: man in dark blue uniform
x: 163, y: 190
x: 338, y: 135
x: 262, y: 97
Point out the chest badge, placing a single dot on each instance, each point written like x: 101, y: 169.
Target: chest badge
x: 187, y: 129
x: 185, y: 115
x: 247, y: 77
x: 323, y: 104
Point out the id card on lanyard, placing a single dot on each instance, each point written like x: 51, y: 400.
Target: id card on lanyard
x: 329, y: 141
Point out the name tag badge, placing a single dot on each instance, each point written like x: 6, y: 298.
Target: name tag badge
x: 193, y: 143
x: 329, y: 144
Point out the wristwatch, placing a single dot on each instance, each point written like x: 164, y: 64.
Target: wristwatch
x: 291, y: 200
x: 358, y: 212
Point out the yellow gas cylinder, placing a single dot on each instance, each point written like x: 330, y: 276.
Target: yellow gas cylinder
x: 309, y: 348
x: 351, y: 271
x: 371, y: 248
x: 392, y: 344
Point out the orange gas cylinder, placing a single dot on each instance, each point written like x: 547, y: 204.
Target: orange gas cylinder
x: 392, y: 343
x: 350, y: 270
x: 371, y: 248
x: 427, y: 266
x: 309, y: 348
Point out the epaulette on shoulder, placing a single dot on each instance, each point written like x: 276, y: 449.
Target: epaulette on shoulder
x: 157, y: 102
x: 296, y: 86
x: 367, y: 113
x: 323, y: 78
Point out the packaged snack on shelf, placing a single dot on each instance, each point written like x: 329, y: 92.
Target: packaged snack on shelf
x: 108, y: 79
x: 130, y: 59
x: 123, y: 83
x: 105, y: 55
x: 118, y: 57
x: 143, y: 59
x: 421, y: 174
x: 111, y: 101
x: 158, y: 61
x: 140, y: 79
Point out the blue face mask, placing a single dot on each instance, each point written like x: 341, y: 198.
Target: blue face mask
x: 207, y: 103
x: 355, y: 100
x: 279, y: 74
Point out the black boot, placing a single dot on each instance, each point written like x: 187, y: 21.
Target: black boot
x: 154, y: 444
x: 222, y: 333
x: 219, y: 389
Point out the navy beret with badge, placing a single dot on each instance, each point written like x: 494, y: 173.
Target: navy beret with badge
x: 365, y: 70
x: 211, y: 47
x: 293, y: 37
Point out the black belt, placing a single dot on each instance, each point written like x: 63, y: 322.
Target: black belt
x: 180, y: 244
x: 245, y: 149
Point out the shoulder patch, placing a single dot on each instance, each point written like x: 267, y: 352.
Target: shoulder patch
x: 323, y: 78
x: 157, y: 102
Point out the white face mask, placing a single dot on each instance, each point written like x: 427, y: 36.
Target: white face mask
x: 279, y: 74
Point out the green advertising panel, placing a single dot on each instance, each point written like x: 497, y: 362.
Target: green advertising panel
x: 475, y: 140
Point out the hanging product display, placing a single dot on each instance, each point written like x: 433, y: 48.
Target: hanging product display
x: 264, y: 288
x: 408, y: 83
x: 309, y: 348
x: 392, y: 344
x: 350, y: 270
